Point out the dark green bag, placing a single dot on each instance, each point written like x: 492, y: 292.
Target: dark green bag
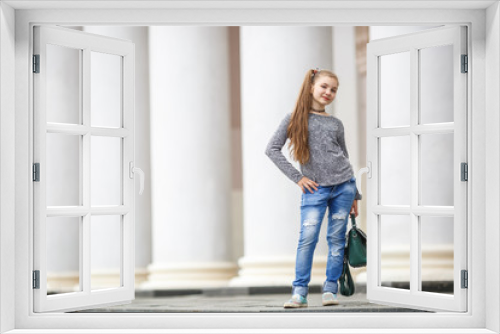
x: 356, y: 250
x: 346, y: 282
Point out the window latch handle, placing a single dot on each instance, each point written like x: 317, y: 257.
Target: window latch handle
x: 367, y: 170
x: 132, y: 171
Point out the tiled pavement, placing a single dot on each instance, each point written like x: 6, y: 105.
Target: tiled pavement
x: 240, y: 300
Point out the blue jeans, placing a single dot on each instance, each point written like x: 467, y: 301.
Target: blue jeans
x: 338, y: 199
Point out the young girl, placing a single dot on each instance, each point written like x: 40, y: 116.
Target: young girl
x: 326, y: 180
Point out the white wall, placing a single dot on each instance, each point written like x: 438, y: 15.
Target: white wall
x: 7, y: 170
x: 492, y: 186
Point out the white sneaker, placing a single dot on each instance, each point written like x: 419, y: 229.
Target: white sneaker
x: 329, y: 298
x: 296, y: 301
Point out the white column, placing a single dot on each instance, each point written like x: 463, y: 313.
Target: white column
x: 190, y: 157
x: 347, y: 108
x: 274, y: 61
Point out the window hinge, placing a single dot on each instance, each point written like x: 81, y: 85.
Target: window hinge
x: 36, y: 63
x: 36, y: 279
x: 465, y: 279
x: 36, y: 172
x: 465, y: 64
x: 465, y: 171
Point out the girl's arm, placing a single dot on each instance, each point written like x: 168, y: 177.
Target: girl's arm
x: 273, y: 151
x: 341, y: 140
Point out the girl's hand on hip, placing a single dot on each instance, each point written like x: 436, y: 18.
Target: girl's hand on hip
x: 305, y: 182
x: 354, y: 208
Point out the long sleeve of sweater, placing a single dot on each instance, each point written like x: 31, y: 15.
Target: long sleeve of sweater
x: 273, y: 151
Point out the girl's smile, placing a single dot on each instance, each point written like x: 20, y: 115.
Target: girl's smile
x: 323, y: 92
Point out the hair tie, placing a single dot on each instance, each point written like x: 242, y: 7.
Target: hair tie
x: 316, y: 70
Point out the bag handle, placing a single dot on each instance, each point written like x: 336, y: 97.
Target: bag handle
x: 353, y: 220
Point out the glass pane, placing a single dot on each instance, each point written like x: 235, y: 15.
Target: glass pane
x: 63, y: 82
x: 395, y: 251
x: 436, y: 169
x: 63, y: 169
x: 395, y: 170
x: 106, y: 172
x: 395, y: 90
x: 106, y: 89
x: 63, y: 254
x: 105, y: 251
x: 436, y: 252
x: 436, y: 84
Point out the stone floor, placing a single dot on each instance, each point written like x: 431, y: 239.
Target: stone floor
x: 244, y: 300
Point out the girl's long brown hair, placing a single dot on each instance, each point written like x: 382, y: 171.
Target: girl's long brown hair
x: 297, y: 130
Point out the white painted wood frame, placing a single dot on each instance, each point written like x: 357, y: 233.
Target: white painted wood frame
x: 481, y: 17
x: 85, y: 297
x: 412, y: 43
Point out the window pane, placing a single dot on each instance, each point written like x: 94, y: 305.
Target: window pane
x: 395, y: 251
x: 436, y: 252
x: 436, y: 169
x: 63, y: 82
x: 395, y: 90
x: 63, y: 169
x: 395, y: 170
x: 105, y: 249
x: 106, y: 173
x: 63, y: 254
x: 106, y: 89
x: 436, y: 84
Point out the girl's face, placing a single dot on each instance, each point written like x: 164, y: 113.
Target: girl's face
x: 324, y: 91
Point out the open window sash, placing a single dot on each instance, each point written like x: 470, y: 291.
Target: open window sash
x: 74, y: 142
x: 400, y: 136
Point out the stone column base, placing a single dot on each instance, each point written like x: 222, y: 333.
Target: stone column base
x: 437, y: 264
x: 103, y: 279
x: 275, y: 271
x: 61, y: 282
x: 192, y: 275
x: 141, y: 276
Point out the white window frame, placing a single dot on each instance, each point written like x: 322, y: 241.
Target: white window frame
x: 483, y: 145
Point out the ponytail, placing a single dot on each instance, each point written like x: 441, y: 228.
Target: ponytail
x: 297, y: 130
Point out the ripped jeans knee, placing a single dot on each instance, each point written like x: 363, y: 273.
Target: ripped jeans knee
x: 339, y: 215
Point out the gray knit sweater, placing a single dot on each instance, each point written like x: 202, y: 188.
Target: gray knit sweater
x: 328, y: 158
